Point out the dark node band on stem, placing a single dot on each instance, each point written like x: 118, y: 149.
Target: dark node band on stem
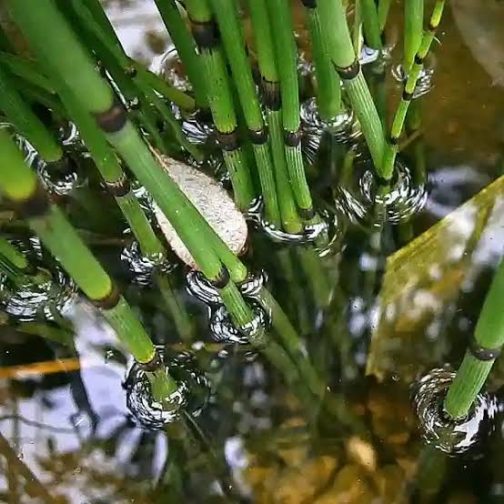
x: 206, y: 34
x: 309, y: 4
x: 113, y: 119
x: 153, y: 365
x: 272, y: 97
x: 258, y: 137
x: 407, y: 96
x: 36, y: 205
x: 481, y: 353
x: 119, y: 188
x: 228, y: 141
x: 349, y: 72
x: 292, y: 138
x: 432, y: 27
x: 306, y: 214
x: 222, y: 278
x: 419, y: 59
x: 393, y: 140
x: 108, y: 302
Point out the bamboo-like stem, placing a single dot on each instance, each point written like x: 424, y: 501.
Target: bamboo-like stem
x: 482, y: 352
x: 22, y: 187
x: 25, y: 120
x: 383, y: 12
x: 221, y: 100
x: 78, y: 72
x: 328, y: 82
x: 284, y: 44
x: 234, y: 44
x: 371, y: 23
x: 413, y: 74
x: 25, y: 69
x: 115, y: 179
x: 413, y: 30
x: 272, y: 100
x: 186, y: 48
x: 335, y: 29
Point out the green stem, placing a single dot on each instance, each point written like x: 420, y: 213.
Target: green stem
x: 413, y: 30
x: 286, y: 59
x: 335, y: 29
x: 383, y: 12
x: 184, y: 43
x: 413, y: 73
x: 371, y: 24
x: 328, y: 82
x: 21, y: 186
x: 234, y: 44
x: 25, y: 120
x: 478, y: 361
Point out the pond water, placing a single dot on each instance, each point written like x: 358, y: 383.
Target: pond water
x: 376, y: 310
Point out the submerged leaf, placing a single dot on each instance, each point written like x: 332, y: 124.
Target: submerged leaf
x: 423, y: 281
x: 213, y: 203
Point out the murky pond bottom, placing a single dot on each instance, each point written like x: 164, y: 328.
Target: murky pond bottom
x: 374, y: 315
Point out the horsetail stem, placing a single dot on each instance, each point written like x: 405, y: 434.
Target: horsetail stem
x: 413, y: 74
x: 286, y: 59
x: 207, y: 38
x: 383, y: 12
x: 186, y: 49
x: 342, y: 53
x: 27, y: 195
x: 234, y: 45
x: 413, y: 30
x: 111, y: 117
x: 272, y: 100
x: 371, y: 24
x: 328, y: 82
x: 483, y: 350
x: 15, y: 266
x: 25, y: 69
x: 113, y: 175
x: 25, y: 120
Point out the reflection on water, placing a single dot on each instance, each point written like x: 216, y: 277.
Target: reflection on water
x: 363, y: 319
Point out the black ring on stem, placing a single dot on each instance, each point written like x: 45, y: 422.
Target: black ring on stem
x: 228, y: 141
x: 393, y: 140
x: 407, y: 96
x: 36, y: 205
x: 119, y: 188
x: 222, y: 279
x: 258, y: 137
x: 309, y: 4
x: 292, y: 138
x: 206, y: 34
x: 153, y: 365
x: 272, y: 97
x: 431, y: 27
x: 110, y: 301
x: 306, y: 213
x: 419, y: 59
x: 349, y: 72
x: 481, y: 353
x: 113, y: 119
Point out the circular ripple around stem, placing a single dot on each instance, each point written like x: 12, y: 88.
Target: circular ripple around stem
x: 452, y: 437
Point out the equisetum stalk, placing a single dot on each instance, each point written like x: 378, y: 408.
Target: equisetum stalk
x: 413, y: 73
x: 115, y: 179
x: 383, y: 12
x: 280, y: 18
x: 483, y: 350
x: 371, y: 24
x: 328, y: 82
x: 26, y: 70
x: 207, y: 39
x: 25, y: 121
x: 413, y: 30
x: 234, y: 45
x: 335, y: 30
x: 24, y: 190
x: 186, y: 49
x: 272, y: 101
x: 95, y: 95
